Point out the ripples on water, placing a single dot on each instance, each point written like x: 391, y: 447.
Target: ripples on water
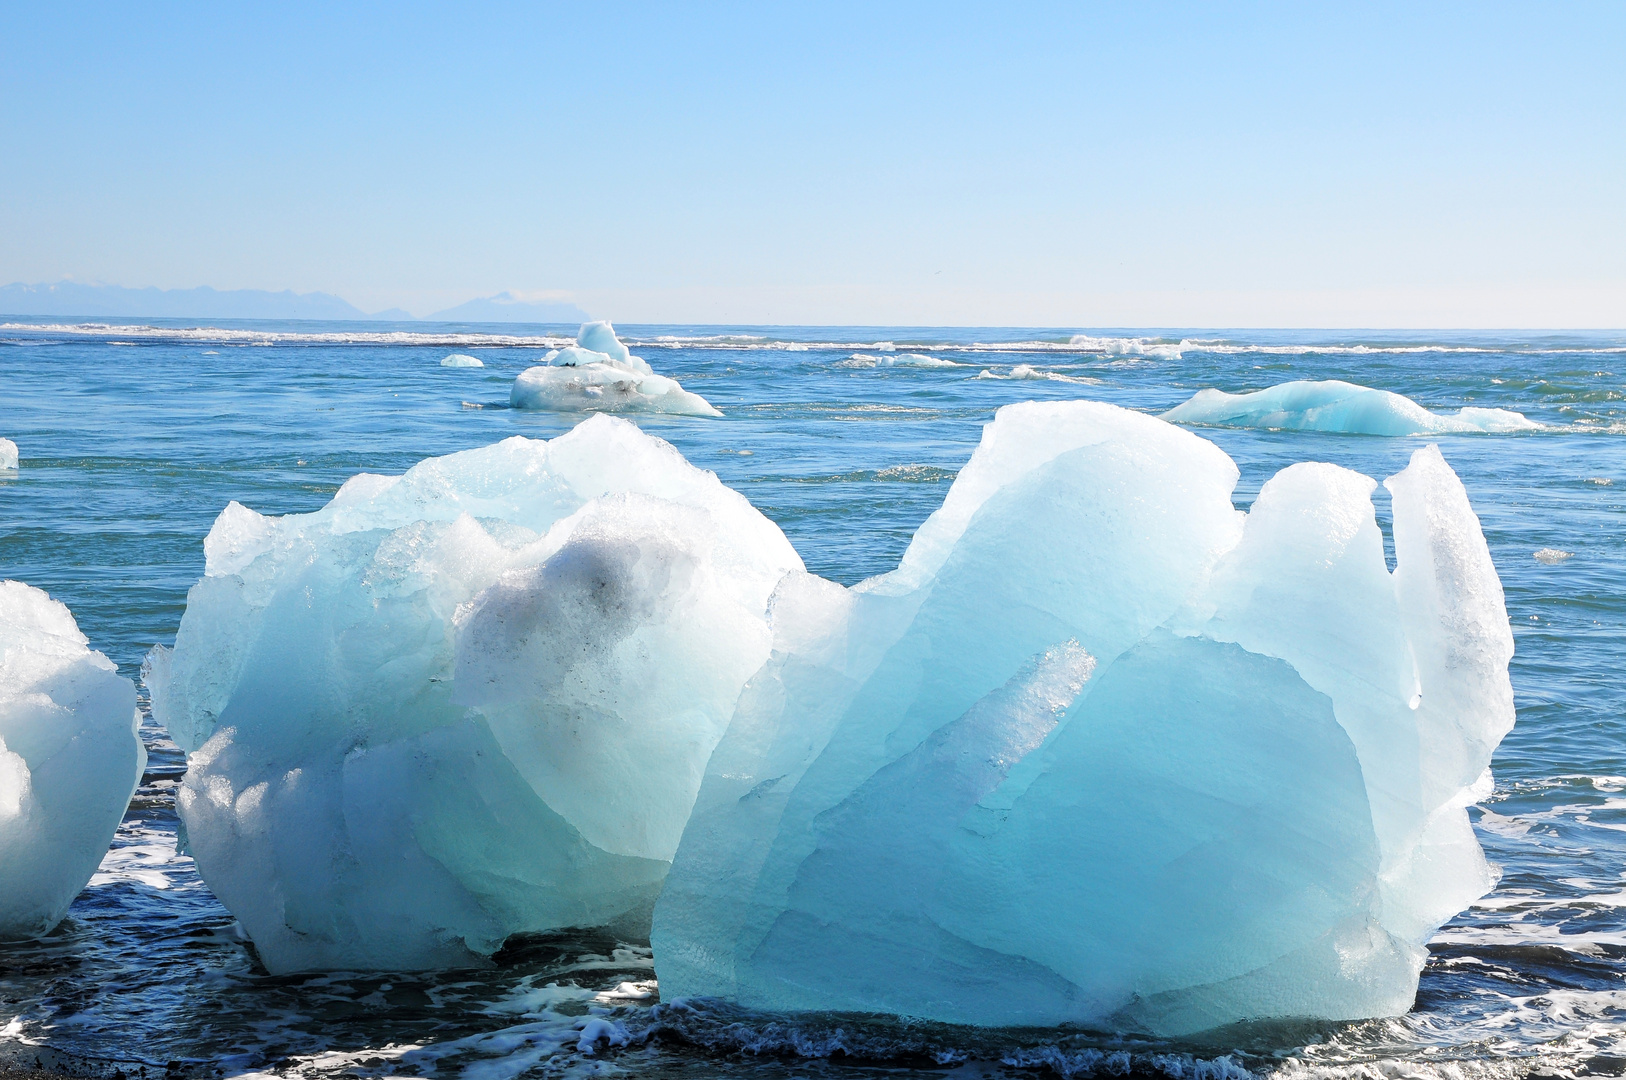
x: 134, y: 438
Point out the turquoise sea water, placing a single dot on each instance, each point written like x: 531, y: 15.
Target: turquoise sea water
x: 134, y: 437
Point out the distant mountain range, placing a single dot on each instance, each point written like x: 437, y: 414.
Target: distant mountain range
x: 69, y: 299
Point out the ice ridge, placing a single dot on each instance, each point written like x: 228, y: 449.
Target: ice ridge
x: 1333, y: 405
x: 1106, y: 751
x: 69, y: 759
x: 599, y: 374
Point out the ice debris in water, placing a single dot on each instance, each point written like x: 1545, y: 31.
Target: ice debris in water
x: 8, y: 454
x: 1105, y: 750
x: 69, y: 759
x: 920, y: 360
x: 1552, y: 555
x: 598, y: 374
x: 461, y: 360
x: 468, y: 701
x: 1332, y: 405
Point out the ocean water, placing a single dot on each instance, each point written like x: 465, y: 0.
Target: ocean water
x: 133, y: 437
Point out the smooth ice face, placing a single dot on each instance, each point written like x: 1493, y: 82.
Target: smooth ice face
x: 8, y: 454
x: 598, y: 374
x: 469, y: 701
x: 1332, y: 405
x: 1105, y: 751
x: 69, y: 759
x: 461, y: 360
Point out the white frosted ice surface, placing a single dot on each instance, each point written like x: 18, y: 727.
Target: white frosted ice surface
x: 465, y: 702
x: 69, y: 759
x: 1104, y: 750
x: 920, y: 360
x: 598, y: 374
x: 1332, y: 405
x: 8, y: 454
x: 461, y: 360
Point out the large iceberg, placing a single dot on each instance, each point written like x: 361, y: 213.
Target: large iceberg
x: 69, y: 759
x: 1332, y: 405
x: 469, y: 701
x: 1104, y: 750
x: 599, y: 374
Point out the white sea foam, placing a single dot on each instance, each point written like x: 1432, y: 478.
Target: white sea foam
x: 1123, y: 348
x: 1029, y: 373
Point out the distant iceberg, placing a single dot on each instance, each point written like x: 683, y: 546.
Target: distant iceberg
x: 461, y: 360
x: 1105, y: 751
x: 70, y: 759
x: 1331, y: 405
x: 8, y: 454
x: 920, y: 360
x: 466, y: 702
x: 598, y: 374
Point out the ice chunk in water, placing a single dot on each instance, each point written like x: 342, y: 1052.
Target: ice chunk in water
x: 461, y: 360
x: 8, y: 454
x: 69, y: 759
x: 468, y: 701
x: 598, y: 374
x: 1332, y: 405
x: 1105, y: 751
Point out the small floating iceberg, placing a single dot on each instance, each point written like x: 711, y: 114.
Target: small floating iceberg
x: 1332, y: 405
x: 598, y: 374
x: 470, y: 701
x: 461, y: 360
x: 70, y: 759
x: 8, y: 454
x: 1105, y: 751
x: 919, y: 360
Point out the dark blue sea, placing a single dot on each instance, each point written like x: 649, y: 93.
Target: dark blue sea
x: 133, y: 437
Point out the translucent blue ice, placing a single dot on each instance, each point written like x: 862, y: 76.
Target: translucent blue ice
x: 1332, y: 405
x: 1104, y: 750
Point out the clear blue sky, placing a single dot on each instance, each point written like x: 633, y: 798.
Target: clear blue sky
x: 1082, y: 164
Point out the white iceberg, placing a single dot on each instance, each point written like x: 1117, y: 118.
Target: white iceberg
x: 920, y: 360
x: 69, y: 759
x: 598, y: 374
x: 469, y: 701
x: 8, y: 454
x: 461, y: 360
x: 1104, y: 750
x: 1331, y: 405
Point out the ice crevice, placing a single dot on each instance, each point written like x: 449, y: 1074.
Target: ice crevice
x: 1102, y: 750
